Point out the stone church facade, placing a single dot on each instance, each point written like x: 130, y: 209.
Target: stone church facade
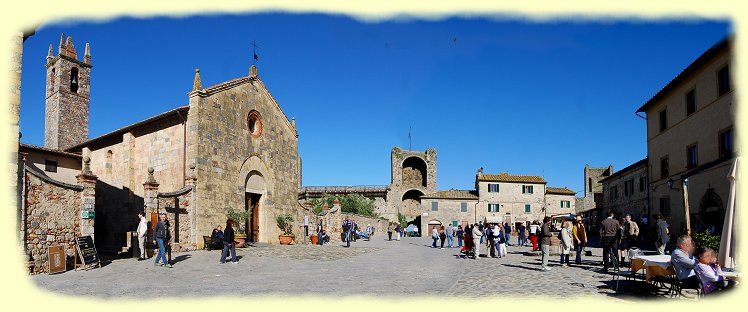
x: 231, y: 146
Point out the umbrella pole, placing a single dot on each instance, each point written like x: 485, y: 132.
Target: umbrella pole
x: 684, y: 184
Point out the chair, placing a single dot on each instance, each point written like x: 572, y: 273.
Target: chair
x: 633, y: 252
x: 677, y: 286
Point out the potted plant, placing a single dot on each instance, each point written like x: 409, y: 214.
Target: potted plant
x: 284, y: 223
x: 240, y: 221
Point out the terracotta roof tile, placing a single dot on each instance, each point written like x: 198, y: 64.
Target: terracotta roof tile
x: 24, y: 146
x: 505, y: 177
x: 453, y: 194
x: 559, y: 191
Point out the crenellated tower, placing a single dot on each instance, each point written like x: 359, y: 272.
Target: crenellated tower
x: 67, y: 96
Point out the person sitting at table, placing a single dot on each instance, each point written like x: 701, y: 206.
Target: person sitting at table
x: 684, y: 262
x: 710, y: 272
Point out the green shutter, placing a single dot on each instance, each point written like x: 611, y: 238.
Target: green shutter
x: 527, y: 208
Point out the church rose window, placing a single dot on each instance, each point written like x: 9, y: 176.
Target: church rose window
x: 254, y: 123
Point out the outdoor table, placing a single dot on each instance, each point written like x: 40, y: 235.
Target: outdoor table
x: 733, y: 276
x: 658, y: 265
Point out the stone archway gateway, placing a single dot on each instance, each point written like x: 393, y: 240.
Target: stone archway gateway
x: 711, y: 211
x: 255, y: 187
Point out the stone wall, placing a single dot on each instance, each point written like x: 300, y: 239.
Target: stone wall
x: 52, y: 211
x: 181, y: 200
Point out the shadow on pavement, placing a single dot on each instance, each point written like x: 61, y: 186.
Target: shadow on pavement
x: 521, y: 267
x: 180, y: 258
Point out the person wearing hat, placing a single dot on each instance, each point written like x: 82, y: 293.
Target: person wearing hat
x: 160, y: 237
x: 580, y: 239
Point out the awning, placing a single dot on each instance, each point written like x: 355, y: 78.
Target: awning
x: 493, y: 220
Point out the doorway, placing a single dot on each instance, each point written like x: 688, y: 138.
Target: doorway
x: 253, y: 222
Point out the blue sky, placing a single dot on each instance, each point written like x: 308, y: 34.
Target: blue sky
x: 502, y: 94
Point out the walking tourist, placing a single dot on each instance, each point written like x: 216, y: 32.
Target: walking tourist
x: 545, y: 243
x: 320, y: 235
x: 442, y: 236
x: 347, y: 228
x: 490, y: 242
x: 534, y: 232
x: 399, y: 230
x: 482, y: 230
x: 450, y: 233
x: 507, y: 233
x: 389, y: 232
x: 580, y: 239
x: 434, y: 236
x: 460, y: 234
x: 566, y: 243
x: 631, y: 231
x: 663, y: 234
x: 142, y: 231
x: 477, y: 234
x: 709, y: 271
x: 521, y: 235
x: 608, y: 230
x: 228, y: 243
x: 159, y: 235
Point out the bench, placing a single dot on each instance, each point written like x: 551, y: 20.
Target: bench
x: 209, y: 244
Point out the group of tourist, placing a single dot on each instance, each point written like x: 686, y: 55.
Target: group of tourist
x: 395, y: 228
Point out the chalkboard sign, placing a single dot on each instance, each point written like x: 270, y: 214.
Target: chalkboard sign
x: 87, y: 251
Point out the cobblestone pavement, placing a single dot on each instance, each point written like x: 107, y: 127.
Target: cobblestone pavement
x: 376, y: 267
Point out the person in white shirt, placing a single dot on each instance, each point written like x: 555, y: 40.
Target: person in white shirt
x: 142, y: 230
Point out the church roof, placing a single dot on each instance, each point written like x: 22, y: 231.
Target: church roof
x: 505, y: 177
x: 453, y: 194
x: 122, y: 130
x: 559, y: 191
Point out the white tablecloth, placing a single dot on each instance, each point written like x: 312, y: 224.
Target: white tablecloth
x: 662, y: 261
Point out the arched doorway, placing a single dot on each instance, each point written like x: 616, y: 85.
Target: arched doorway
x: 431, y: 225
x: 253, y: 191
x: 414, y: 172
x: 711, y: 213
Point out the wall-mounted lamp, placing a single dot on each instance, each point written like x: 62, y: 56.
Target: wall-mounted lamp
x: 670, y: 183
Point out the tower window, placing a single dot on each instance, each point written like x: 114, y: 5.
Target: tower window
x: 74, y: 80
x: 52, y: 77
x: 108, y: 164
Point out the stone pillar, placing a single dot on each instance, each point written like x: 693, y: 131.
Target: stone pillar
x: 88, y: 198
x: 191, y: 181
x: 150, y: 196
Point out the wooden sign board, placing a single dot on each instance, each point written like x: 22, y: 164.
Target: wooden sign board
x: 56, y: 261
x: 86, y: 252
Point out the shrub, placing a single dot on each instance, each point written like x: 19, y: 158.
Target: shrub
x: 704, y: 239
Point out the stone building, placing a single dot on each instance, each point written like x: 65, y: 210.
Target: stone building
x: 593, y: 193
x: 230, y: 146
x: 455, y: 207
x: 690, y: 141
x: 627, y: 192
x: 413, y: 175
x: 559, y: 201
x: 510, y: 198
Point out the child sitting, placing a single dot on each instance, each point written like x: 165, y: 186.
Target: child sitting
x: 709, y: 271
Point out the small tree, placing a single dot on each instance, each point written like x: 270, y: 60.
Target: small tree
x: 239, y: 217
x: 704, y: 239
x: 285, y: 223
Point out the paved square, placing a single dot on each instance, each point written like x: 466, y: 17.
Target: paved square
x: 377, y: 267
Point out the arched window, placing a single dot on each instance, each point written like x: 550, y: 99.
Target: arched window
x: 108, y: 164
x: 52, y: 77
x: 74, y: 80
x: 254, y: 123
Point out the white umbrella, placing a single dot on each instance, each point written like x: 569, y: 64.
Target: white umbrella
x: 726, y: 244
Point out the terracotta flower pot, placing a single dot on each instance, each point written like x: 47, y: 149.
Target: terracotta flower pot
x: 314, y: 239
x: 240, y: 241
x: 285, y: 239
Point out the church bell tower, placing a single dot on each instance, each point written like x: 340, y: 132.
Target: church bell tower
x: 67, y: 96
